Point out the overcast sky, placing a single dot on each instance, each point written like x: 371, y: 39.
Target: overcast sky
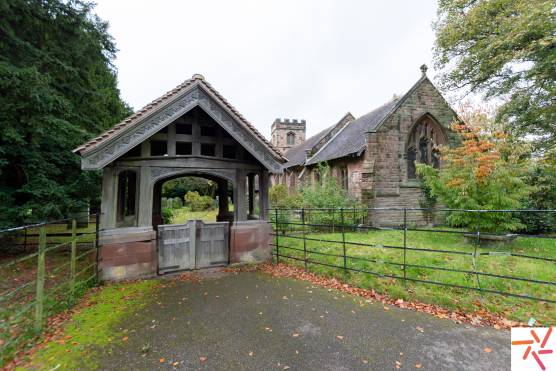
x: 312, y: 60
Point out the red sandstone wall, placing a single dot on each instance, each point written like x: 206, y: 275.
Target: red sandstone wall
x: 249, y: 241
x: 128, y: 253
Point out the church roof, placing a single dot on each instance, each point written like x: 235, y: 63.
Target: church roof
x: 297, y: 155
x: 161, y: 102
x: 351, y: 139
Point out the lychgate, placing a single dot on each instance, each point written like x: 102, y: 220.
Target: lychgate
x: 191, y: 130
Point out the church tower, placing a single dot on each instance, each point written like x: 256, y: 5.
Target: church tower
x: 287, y: 133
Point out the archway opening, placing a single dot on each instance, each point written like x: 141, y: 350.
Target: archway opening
x: 192, y: 197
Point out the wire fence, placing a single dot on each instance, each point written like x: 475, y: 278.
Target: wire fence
x: 423, y: 246
x: 45, y: 268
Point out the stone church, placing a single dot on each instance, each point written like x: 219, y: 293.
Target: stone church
x: 373, y: 156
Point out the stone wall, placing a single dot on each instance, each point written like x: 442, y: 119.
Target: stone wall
x: 250, y: 242
x: 384, y: 179
x: 127, y: 253
x: 280, y: 130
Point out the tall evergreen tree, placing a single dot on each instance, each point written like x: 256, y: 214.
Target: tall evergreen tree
x: 59, y: 88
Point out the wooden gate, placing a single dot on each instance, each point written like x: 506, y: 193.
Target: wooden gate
x: 192, y: 245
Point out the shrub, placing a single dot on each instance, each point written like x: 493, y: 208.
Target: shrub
x: 279, y: 197
x: 177, y: 203
x: 197, y: 202
x: 180, y: 186
x: 488, y: 171
x: 167, y: 215
x: 543, y: 197
x: 327, y: 194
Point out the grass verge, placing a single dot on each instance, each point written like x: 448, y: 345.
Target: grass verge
x: 91, y: 327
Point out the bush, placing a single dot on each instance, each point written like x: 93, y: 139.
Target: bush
x: 167, y: 215
x: 488, y: 171
x: 327, y: 194
x: 543, y: 197
x: 197, y: 202
x: 180, y: 186
x: 177, y: 203
x: 279, y: 197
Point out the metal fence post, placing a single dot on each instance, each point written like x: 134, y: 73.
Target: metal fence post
x: 333, y: 221
x: 39, y: 294
x: 304, y: 239
x: 478, y: 243
x: 72, y: 259
x: 276, y: 234
x: 343, y: 238
x: 405, y: 246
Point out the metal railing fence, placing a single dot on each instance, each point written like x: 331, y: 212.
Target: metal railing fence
x: 415, y: 244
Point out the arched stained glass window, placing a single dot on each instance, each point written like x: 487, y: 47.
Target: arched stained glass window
x: 423, y: 145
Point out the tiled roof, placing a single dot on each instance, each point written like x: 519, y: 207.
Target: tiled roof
x: 159, y: 103
x: 297, y: 154
x: 351, y: 139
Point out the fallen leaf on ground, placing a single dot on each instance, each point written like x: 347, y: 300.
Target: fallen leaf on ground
x: 125, y: 338
x: 162, y: 360
x: 485, y: 319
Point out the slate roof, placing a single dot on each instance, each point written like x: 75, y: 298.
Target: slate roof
x: 160, y: 103
x: 351, y: 139
x: 296, y: 155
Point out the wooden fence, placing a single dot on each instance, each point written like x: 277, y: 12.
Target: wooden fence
x: 44, y: 282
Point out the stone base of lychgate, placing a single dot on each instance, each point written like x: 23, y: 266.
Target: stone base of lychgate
x: 127, y: 253
x: 250, y: 242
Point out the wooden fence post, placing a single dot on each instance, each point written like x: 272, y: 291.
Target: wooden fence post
x: 73, y: 256
x: 97, y: 230
x: 39, y: 295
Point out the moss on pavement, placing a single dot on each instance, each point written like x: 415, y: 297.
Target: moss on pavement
x: 92, y: 327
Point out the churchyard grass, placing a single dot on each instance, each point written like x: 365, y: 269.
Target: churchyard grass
x: 389, y: 261
x: 182, y: 215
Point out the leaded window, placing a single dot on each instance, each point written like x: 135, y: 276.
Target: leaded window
x: 423, y: 145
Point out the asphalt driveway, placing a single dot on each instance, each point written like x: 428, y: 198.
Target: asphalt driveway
x: 252, y: 321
